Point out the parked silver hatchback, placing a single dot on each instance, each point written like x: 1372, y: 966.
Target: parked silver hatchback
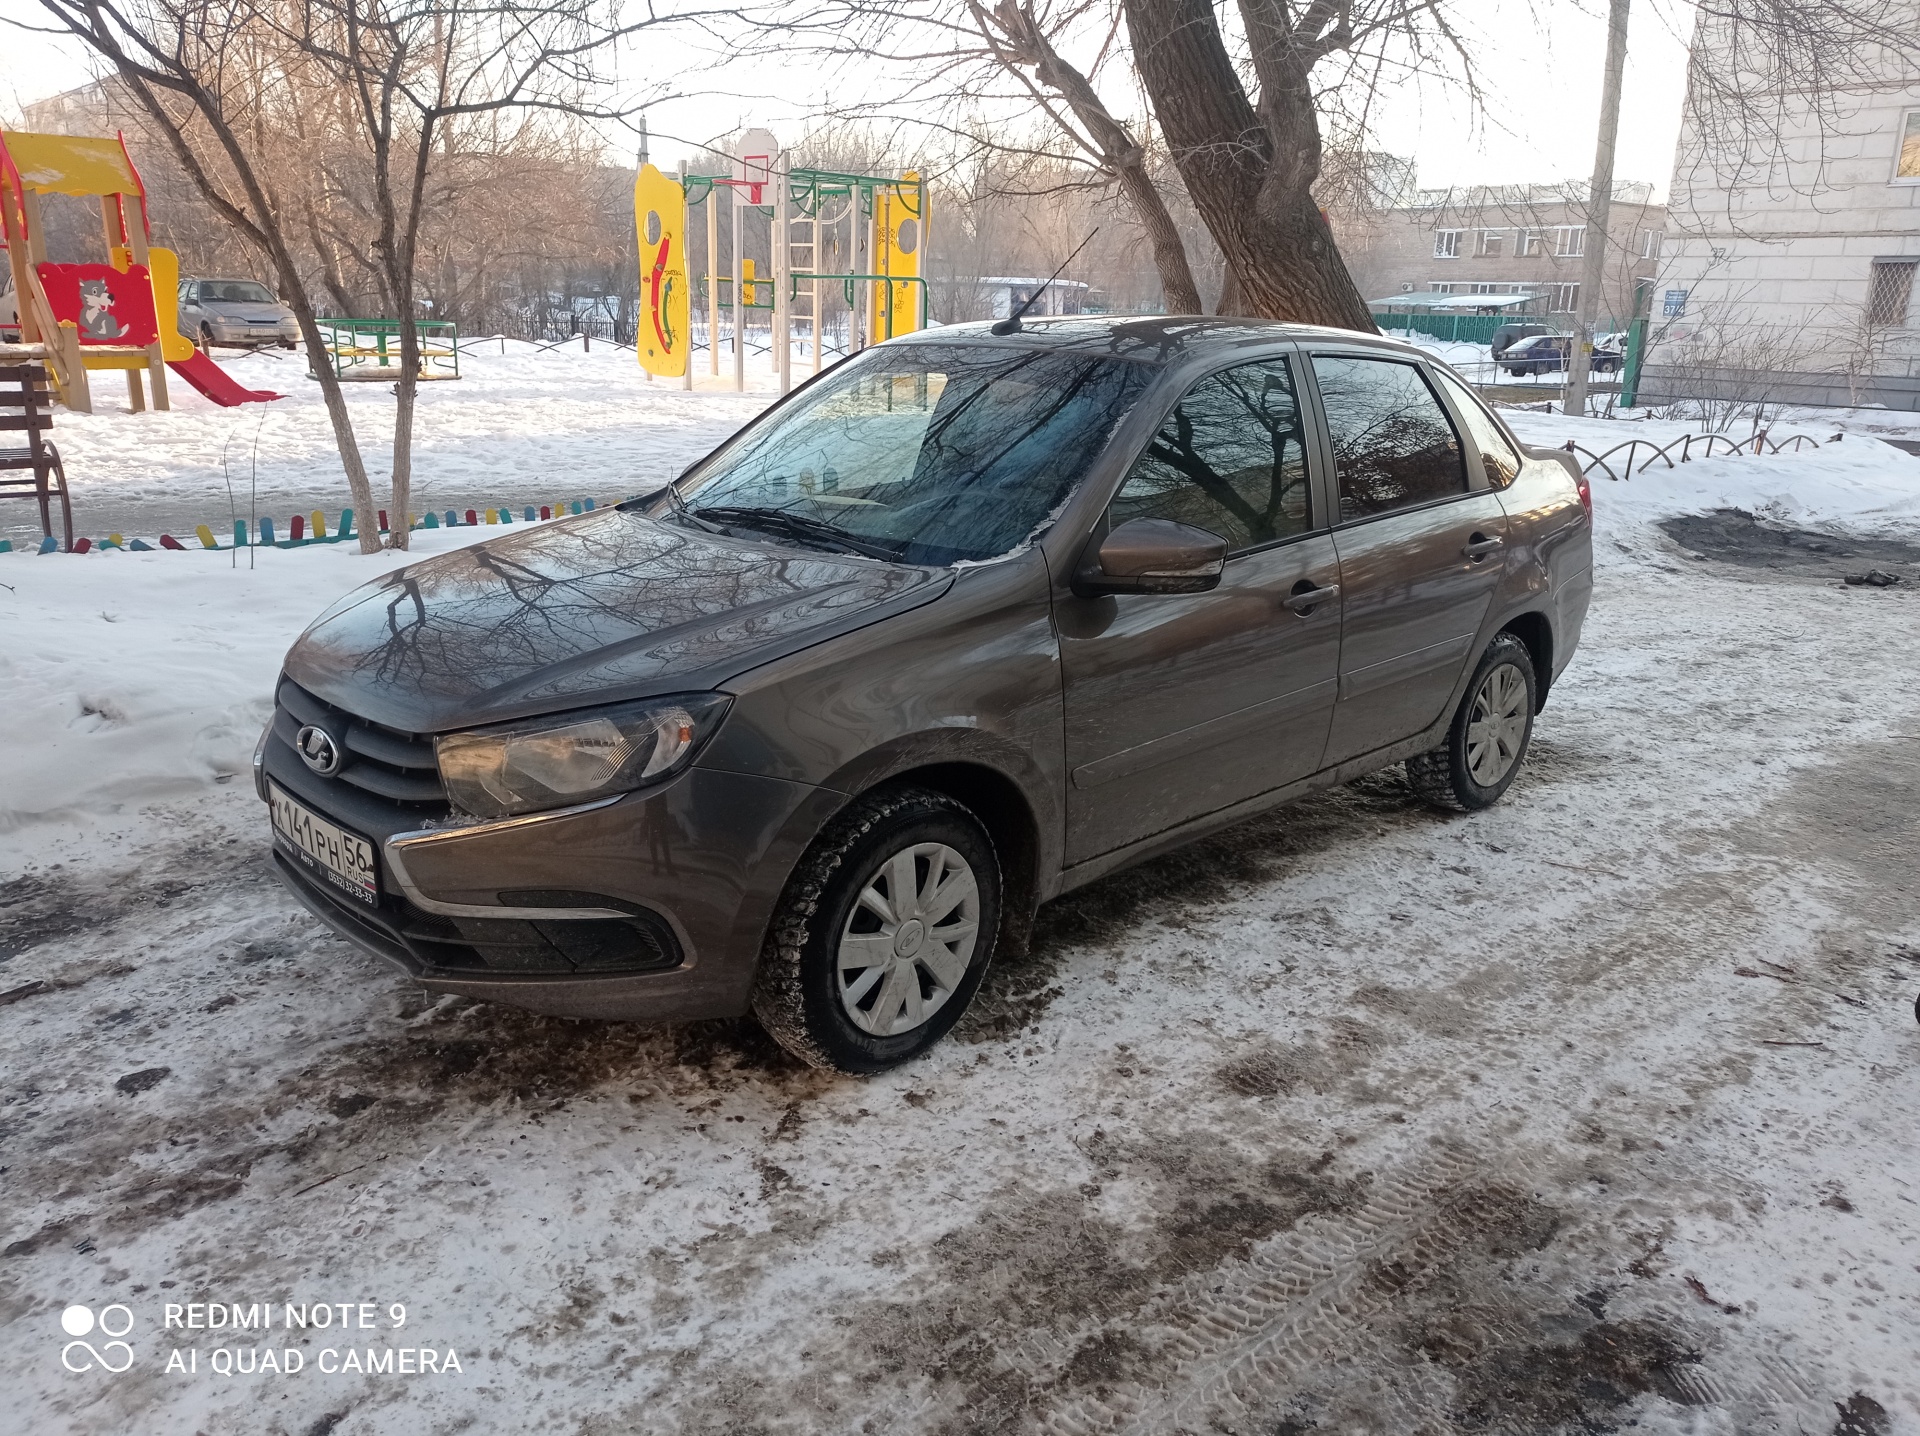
x: 969, y: 620
x: 236, y: 313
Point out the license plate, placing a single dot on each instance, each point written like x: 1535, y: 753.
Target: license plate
x: 342, y: 858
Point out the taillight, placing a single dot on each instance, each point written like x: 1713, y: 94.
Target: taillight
x: 1586, y: 493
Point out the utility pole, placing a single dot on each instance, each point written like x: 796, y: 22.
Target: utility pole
x: 1593, y: 274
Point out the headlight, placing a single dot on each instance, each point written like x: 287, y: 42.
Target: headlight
x: 575, y: 757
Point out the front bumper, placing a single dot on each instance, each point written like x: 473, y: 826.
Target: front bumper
x: 253, y: 335
x: 651, y: 906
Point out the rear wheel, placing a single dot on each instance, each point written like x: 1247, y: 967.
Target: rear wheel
x: 1488, y: 740
x: 883, y: 934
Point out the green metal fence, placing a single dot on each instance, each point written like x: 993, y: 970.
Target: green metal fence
x: 1459, y: 328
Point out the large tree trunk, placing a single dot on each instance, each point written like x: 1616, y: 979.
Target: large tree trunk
x: 1250, y: 173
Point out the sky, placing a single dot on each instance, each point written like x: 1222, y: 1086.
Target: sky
x: 1540, y: 65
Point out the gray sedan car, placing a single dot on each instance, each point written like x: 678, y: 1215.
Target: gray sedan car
x: 967, y: 621
x: 235, y: 313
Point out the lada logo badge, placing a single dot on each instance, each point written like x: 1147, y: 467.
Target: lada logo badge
x: 318, y: 750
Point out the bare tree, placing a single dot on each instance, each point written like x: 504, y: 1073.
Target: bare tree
x: 419, y: 73
x: 1020, y: 43
x: 192, y: 66
x: 324, y: 126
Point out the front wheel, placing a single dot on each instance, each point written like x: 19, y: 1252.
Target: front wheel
x: 1487, y: 742
x: 883, y: 934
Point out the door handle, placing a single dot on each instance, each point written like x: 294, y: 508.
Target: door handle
x: 1305, y: 598
x: 1479, y: 546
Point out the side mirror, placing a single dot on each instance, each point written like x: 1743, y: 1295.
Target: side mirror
x: 1153, y: 556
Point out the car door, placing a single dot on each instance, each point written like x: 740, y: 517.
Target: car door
x: 1181, y: 704
x: 1421, y: 546
x: 190, y: 311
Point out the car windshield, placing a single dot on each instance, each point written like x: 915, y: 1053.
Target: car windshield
x: 932, y: 453
x: 236, y: 291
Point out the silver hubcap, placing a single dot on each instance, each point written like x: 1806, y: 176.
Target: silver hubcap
x: 909, y: 939
x: 1497, y: 725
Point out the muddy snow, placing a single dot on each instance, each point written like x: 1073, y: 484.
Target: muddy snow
x: 1592, y: 1112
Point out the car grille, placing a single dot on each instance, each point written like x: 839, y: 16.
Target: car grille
x: 399, y: 767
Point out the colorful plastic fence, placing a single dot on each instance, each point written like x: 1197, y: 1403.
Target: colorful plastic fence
x: 304, y: 529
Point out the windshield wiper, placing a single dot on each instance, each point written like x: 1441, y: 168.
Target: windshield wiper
x: 671, y: 493
x: 798, y: 526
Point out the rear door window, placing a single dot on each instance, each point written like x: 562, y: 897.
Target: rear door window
x: 1230, y: 458
x: 1393, y: 445
x: 1496, y: 454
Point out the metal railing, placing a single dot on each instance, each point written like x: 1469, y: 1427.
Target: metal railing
x: 1760, y: 443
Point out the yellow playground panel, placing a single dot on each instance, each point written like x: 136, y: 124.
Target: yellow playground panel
x: 898, y: 231
x: 660, y: 214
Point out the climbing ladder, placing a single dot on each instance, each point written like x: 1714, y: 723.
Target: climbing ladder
x: 803, y: 258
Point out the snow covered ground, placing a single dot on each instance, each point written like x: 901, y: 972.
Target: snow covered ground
x: 529, y: 426
x: 1592, y: 1110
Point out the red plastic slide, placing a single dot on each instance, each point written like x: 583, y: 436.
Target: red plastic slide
x: 218, y: 385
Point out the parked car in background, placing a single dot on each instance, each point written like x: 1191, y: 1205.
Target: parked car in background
x: 966, y: 622
x: 1508, y: 334
x: 1537, y: 354
x: 1549, y: 353
x: 235, y: 313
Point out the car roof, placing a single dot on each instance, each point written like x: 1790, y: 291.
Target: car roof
x: 1154, y: 338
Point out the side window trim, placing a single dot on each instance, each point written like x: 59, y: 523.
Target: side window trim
x: 1322, y: 501
x: 1324, y: 434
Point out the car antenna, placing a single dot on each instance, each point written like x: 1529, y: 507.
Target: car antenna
x: 1011, y: 324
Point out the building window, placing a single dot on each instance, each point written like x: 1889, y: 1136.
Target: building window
x: 1446, y: 244
x: 1651, y: 241
x: 1532, y: 242
x: 1569, y: 241
x: 1490, y: 243
x: 1563, y: 298
x: 1484, y: 289
x: 1906, y: 163
x: 1438, y: 287
x: 1890, y: 292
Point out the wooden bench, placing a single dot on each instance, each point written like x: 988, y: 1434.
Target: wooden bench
x: 24, y: 404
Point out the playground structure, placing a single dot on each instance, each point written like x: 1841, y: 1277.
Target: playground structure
x: 880, y: 219
x: 370, y: 348
x: 82, y: 318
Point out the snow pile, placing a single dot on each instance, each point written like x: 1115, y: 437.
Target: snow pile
x: 135, y: 677
x: 1858, y: 483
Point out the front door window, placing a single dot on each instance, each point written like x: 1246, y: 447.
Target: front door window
x: 1230, y: 458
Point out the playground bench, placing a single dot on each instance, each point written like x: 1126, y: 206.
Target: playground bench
x: 24, y: 407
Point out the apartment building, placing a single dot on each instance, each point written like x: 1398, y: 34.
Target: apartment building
x: 1502, y: 240
x: 1790, y: 265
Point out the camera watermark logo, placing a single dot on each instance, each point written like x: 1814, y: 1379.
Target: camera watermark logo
x: 113, y: 1322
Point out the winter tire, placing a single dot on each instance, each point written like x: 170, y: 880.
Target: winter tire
x: 1487, y: 742
x: 883, y: 934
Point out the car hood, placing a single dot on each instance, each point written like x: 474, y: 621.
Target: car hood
x: 604, y: 607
